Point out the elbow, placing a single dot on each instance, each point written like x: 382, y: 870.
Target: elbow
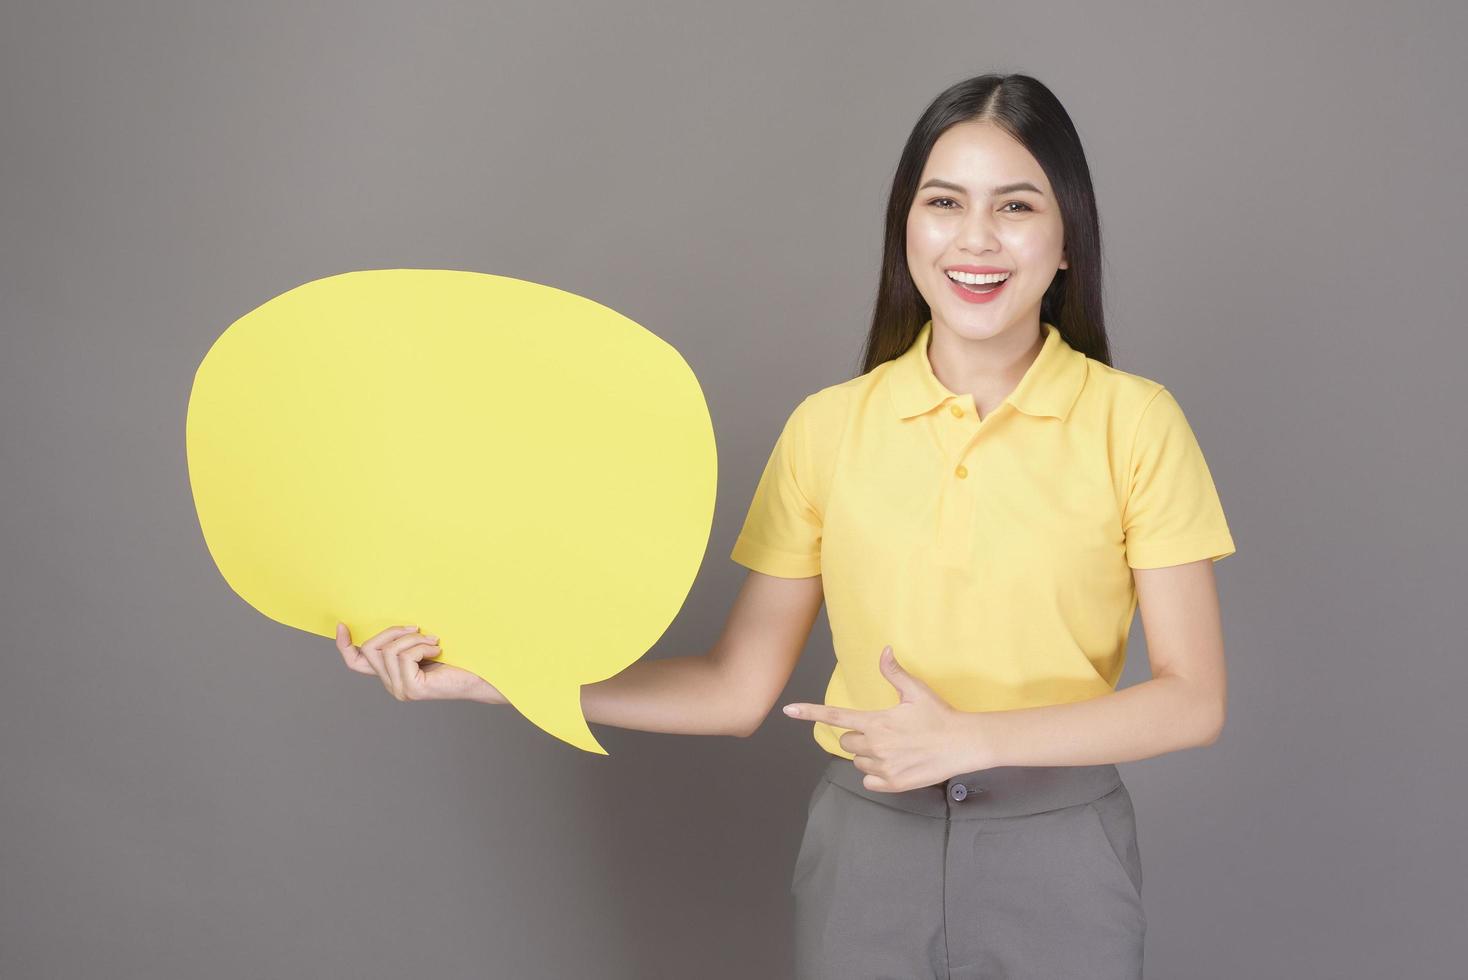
x: 1214, y: 729
x: 748, y: 725
x: 1205, y: 710
x: 748, y: 728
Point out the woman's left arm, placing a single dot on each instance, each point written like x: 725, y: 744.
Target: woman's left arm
x: 1182, y: 706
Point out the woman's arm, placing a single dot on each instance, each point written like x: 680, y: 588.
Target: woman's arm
x: 730, y: 689
x: 1182, y: 706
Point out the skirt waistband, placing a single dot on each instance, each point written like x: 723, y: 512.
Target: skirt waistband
x: 1003, y: 791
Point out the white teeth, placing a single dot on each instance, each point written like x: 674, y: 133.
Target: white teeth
x: 976, y: 280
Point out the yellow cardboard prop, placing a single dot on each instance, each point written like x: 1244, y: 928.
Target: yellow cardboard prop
x: 519, y: 470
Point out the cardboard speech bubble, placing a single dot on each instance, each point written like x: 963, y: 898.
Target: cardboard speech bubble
x: 519, y: 470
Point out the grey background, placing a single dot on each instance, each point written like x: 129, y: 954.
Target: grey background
x: 191, y: 790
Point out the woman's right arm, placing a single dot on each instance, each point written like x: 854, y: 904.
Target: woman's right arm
x: 727, y: 691
x: 730, y: 689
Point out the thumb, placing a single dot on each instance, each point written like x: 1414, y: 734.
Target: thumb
x: 907, y: 685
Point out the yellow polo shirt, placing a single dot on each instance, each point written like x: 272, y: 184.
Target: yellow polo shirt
x: 995, y: 556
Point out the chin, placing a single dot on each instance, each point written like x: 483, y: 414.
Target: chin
x: 972, y: 330
x: 981, y: 327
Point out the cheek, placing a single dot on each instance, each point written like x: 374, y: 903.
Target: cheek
x: 1037, y: 245
x: 923, y: 237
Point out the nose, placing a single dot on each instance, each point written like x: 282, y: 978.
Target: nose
x: 977, y: 233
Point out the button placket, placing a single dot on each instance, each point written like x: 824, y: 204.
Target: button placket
x: 957, y: 435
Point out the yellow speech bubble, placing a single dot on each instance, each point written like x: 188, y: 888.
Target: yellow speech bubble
x: 519, y: 470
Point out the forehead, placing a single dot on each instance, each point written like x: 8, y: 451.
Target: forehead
x: 980, y: 155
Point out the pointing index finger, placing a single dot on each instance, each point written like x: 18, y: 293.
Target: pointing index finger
x: 840, y: 717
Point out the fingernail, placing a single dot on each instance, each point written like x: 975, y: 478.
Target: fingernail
x: 791, y: 710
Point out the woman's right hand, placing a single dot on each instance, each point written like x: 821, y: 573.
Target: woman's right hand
x: 395, y: 655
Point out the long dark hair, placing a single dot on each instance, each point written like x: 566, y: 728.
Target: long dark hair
x: 1028, y: 111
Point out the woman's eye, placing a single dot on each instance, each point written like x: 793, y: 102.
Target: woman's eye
x: 939, y: 201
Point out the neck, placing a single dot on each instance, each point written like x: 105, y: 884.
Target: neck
x: 987, y: 368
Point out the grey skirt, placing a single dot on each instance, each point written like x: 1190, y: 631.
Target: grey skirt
x: 1014, y: 872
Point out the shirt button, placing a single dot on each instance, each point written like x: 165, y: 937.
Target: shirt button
x: 957, y: 412
x: 961, y: 472
x: 959, y: 792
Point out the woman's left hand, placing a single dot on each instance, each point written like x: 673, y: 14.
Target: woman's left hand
x: 920, y: 741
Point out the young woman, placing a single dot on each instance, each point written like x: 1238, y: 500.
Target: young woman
x: 982, y: 510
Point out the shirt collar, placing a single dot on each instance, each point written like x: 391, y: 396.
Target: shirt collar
x: 1049, y: 386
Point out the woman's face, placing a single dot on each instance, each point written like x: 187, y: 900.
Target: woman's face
x: 1018, y: 231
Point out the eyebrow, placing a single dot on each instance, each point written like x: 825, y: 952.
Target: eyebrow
x: 1022, y: 185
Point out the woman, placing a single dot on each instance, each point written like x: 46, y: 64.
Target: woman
x: 982, y: 510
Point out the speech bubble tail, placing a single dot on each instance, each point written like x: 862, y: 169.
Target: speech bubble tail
x: 557, y: 711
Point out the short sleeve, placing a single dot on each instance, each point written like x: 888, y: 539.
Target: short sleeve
x: 1172, y: 514
x: 782, y: 530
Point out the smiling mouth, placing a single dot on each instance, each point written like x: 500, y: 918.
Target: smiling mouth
x: 979, y: 289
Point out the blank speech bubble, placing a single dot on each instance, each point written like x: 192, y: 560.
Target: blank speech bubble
x: 519, y: 470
